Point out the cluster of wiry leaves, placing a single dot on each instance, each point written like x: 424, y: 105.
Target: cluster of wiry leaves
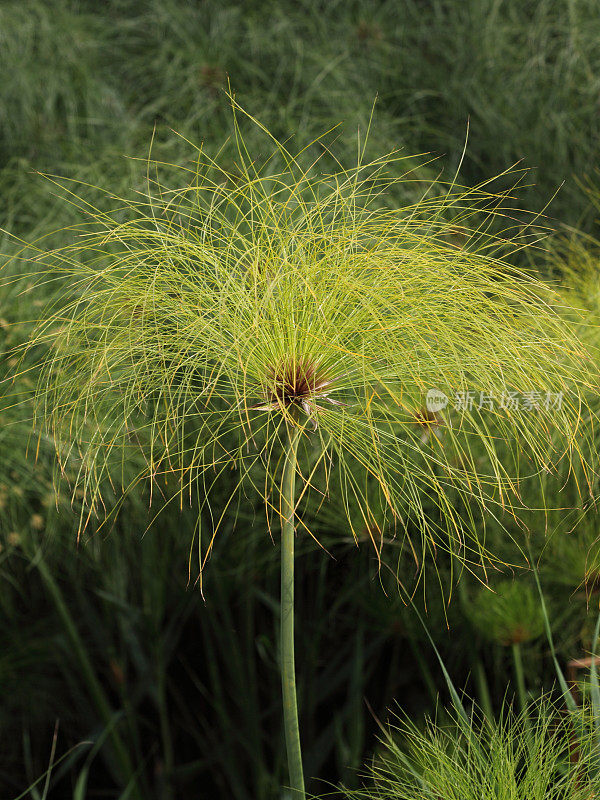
x: 202, y: 322
x: 539, y: 754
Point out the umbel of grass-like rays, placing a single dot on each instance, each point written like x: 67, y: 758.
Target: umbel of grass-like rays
x: 471, y: 758
x: 509, y: 615
x: 288, y: 324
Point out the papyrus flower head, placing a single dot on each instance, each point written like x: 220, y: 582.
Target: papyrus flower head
x: 203, y: 318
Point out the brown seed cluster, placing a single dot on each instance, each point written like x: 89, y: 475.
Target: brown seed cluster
x: 297, y: 382
x: 429, y: 421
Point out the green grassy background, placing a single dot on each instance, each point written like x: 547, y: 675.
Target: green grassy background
x: 104, y: 642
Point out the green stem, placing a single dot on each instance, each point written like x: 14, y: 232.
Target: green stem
x: 479, y: 670
x: 483, y: 690
x: 519, y: 675
x: 424, y: 671
x: 165, y: 732
x: 288, y: 671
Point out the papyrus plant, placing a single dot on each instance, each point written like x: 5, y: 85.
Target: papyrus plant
x: 472, y: 757
x: 287, y: 324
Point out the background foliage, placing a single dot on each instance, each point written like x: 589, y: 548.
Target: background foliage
x: 104, y: 646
